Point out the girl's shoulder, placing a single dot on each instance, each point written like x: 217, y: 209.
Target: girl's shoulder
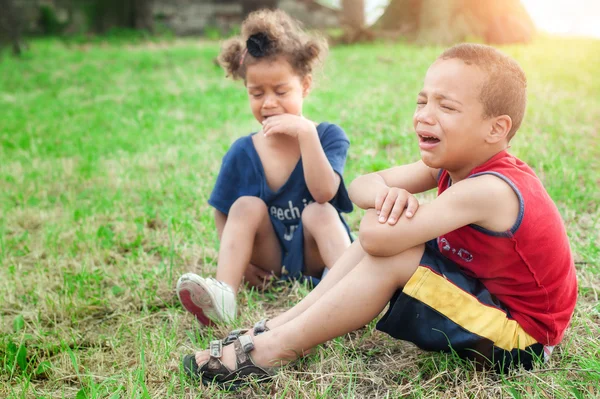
x: 242, y: 146
x: 330, y: 132
x: 242, y: 154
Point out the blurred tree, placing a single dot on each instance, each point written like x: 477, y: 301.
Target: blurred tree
x: 401, y: 15
x: 353, y: 13
x: 142, y: 15
x: 449, y: 21
x: 10, y: 26
x: 103, y: 15
x: 252, y: 5
x: 353, y: 21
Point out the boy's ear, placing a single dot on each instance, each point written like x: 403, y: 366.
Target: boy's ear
x: 306, y: 85
x: 500, y: 128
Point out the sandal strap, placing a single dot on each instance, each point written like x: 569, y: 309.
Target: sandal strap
x: 261, y: 326
x: 246, y: 343
x: 216, y: 349
x: 214, y: 371
x: 238, y: 332
x: 244, y: 363
x: 232, y: 336
x: 241, y: 347
x: 213, y: 367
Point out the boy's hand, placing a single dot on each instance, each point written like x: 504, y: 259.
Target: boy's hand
x: 257, y: 277
x: 391, y: 202
x: 291, y: 125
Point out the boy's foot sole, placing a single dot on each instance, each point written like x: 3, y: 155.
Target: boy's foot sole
x: 187, y: 300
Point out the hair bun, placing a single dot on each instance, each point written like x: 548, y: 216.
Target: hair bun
x: 258, y: 44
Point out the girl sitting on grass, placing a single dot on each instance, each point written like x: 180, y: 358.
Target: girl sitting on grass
x: 279, y: 194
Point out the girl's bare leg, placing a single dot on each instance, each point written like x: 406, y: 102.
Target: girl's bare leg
x: 248, y: 237
x: 325, y: 238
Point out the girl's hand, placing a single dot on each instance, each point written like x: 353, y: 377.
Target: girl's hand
x: 288, y: 124
x: 390, y: 203
x: 257, y: 277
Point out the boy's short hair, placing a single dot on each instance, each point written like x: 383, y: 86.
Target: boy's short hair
x: 505, y: 91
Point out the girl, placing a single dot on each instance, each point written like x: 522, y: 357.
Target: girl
x: 280, y: 192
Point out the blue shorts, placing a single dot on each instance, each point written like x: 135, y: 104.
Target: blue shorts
x: 443, y: 309
x: 292, y: 254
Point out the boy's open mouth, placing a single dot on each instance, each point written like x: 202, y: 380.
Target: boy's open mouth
x: 428, y: 139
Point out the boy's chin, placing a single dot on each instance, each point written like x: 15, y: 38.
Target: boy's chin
x: 431, y: 161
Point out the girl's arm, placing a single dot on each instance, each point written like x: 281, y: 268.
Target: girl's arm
x: 321, y: 179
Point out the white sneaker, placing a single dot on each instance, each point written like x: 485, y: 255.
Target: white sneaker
x: 210, y: 300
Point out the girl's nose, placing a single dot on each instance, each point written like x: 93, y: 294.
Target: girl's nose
x: 270, y: 102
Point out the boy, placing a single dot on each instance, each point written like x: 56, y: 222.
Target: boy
x: 484, y: 270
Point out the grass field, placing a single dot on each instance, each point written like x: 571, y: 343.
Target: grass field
x: 108, y: 152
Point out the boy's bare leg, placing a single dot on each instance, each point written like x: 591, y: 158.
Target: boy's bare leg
x: 326, y: 244
x: 248, y: 237
x: 348, y: 261
x: 356, y: 300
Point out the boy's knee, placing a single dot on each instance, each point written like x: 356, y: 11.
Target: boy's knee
x: 371, y: 234
x: 316, y: 215
x: 248, y: 207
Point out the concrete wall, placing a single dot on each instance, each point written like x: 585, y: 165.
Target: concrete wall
x: 189, y: 17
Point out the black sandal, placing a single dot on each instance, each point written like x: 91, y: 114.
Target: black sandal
x: 259, y: 328
x: 215, y: 372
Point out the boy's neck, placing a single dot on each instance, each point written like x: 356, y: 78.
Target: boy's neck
x: 463, y: 172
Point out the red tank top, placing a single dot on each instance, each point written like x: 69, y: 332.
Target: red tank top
x: 529, y: 268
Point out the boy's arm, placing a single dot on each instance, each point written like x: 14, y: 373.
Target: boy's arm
x: 486, y: 201
x: 414, y: 178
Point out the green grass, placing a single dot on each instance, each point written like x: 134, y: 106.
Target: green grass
x: 108, y: 152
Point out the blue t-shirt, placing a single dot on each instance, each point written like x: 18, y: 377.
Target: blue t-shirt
x: 242, y: 174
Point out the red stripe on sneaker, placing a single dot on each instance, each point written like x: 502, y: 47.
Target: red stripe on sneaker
x: 190, y: 306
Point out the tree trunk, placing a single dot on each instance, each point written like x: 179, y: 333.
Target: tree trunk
x: 108, y: 14
x: 353, y: 14
x: 450, y: 21
x: 10, y: 26
x: 401, y: 15
x: 353, y: 22
x: 142, y: 15
x: 442, y: 23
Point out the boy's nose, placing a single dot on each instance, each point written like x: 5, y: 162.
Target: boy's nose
x: 424, y: 115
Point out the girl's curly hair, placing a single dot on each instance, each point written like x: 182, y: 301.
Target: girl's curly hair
x: 269, y: 34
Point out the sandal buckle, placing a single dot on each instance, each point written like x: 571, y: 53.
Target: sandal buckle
x: 246, y: 343
x: 216, y: 349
